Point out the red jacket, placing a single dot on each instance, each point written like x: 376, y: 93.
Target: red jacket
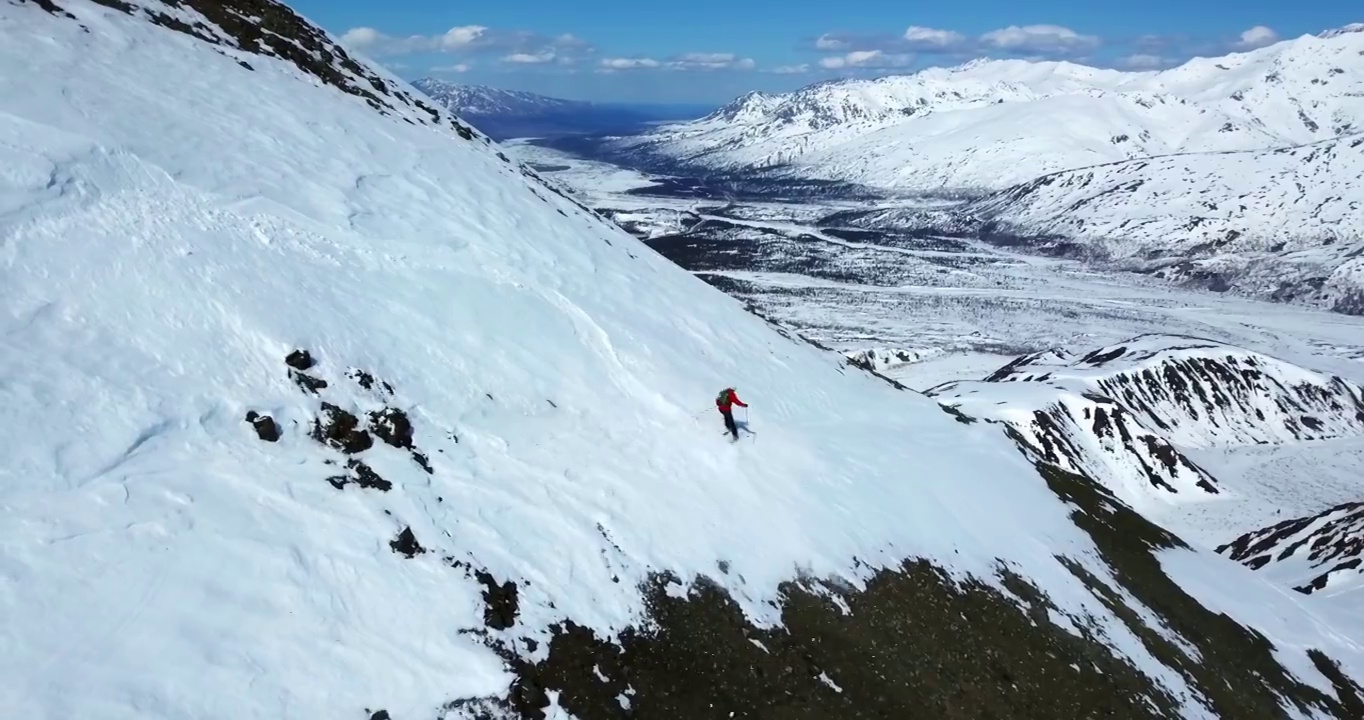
x: 725, y: 398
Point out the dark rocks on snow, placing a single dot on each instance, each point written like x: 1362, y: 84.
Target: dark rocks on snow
x: 307, y: 382
x: 380, y: 715
x: 368, y: 381
x: 406, y: 544
x: 393, y: 427
x: 362, y: 475
x: 500, y: 601
x: 300, y: 360
x: 341, y: 430
x: 53, y: 8
x: 265, y: 426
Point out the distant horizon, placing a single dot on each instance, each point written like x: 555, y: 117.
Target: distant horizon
x: 622, y: 52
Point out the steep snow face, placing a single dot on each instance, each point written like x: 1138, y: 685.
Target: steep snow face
x: 318, y: 401
x: 1016, y: 119
x: 1319, y: 554
x: 1200, y: 393
x: 475, y: 100
x: 1285, y: 224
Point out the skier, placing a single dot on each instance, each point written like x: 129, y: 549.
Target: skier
x: 724, y: 402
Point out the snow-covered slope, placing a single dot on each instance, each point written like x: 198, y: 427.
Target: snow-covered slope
x: 1088, y: 433
x: 1123, y: 413
x: 1286, y: 224
x: 320, y: 408
x: 994, y: 123
x: 1323, y: 553
x: 1201, y: 393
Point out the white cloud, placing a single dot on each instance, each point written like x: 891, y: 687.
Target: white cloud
x: 361, y: 37
x: 1143, y: 61
x: 925, y: 37
x: 1039, y: 39
x: 622, y: 63
x: 458, y: 38
x: 530, y: 58
x: 1258, y: 36
x: 711, y: 61
x: 445, y: 69
x: 867, y: 59
x: 829, y: 42
x: 467, y: 40
x: 791, y: 69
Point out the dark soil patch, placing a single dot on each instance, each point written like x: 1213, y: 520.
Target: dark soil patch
x: 914, y: 645
x: 1236, y: 669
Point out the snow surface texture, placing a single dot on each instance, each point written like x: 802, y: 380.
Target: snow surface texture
x: 1322, y: 553
x: 994, y: 123
x: 201, y: 519
x: 1125, y: 413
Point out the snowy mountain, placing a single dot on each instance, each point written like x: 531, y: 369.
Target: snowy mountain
x: 989, y: 124
x: 476, y: 100
x: 506, y: 114
x: 325, y: 409
x: 1125, y: 413
x: 1322, y: 554
x: 1285, y: 224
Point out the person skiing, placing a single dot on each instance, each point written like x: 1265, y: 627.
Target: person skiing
x: 724, y: 402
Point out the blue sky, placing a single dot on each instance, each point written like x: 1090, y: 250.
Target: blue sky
x: 708, y: 51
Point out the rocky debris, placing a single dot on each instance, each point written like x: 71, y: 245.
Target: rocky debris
x: 340, y: 429
x: 368, y: 381
x: 266, y: 427
x: 1328, y: 547
x: 393, y: 427
x: 379, y: 715
x: 362, y: 475
x: 300, y: 360
x: 53, y: 8
x: 406, y: 544
x: 500, y: 601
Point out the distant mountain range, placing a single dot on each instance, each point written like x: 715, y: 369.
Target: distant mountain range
x: 989, y: 124
x: 1238, y: 173
x: 505, y: 114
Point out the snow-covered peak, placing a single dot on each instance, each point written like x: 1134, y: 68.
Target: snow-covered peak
x: 475, y: 100
x: 1344, y: 29
x: 992, y: 123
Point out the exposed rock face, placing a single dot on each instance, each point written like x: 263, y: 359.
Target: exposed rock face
x: 1322, y: 552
